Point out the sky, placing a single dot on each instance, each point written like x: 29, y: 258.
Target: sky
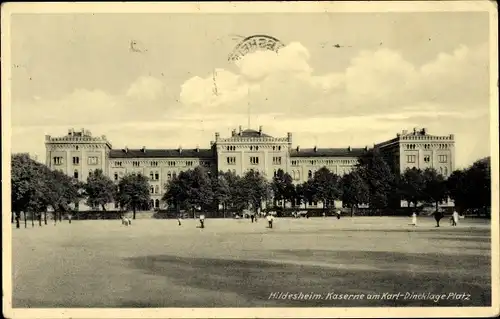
x: 342, y: 79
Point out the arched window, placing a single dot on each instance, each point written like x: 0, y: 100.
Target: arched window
x: 251, y: 147
x: 75, y: 173
x: 157, y: 189
x: 157, y: 203
x: 169, y: 175
x: 152, y: 203
x: 275, y: 173
x: 309, y: 174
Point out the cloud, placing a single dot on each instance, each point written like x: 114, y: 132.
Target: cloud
x: 374, y: 81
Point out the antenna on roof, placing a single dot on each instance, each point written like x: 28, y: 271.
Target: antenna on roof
x: 248, y: 101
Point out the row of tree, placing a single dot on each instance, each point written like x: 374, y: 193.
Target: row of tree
x: 36, y: 188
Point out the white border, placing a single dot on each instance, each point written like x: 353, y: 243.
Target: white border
x: 248, y: 7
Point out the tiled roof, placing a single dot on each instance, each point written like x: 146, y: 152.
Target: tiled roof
x: 327, y: 152
x: 252, y: 133
x: 159, y: 153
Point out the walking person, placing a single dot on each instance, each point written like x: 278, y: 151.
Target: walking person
x: 270, y: 219
x: 252, y: 217
x: 454, y: 218
x: 438, y: 215
x: 69, y: 218
x: 202, y: 221
x: 179, y: 219
x: 414, y: 219
x: 338, y: 213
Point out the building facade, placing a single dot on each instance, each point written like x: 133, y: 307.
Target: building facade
x: 79, y: 153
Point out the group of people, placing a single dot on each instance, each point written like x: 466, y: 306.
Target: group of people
x: 438, y: 215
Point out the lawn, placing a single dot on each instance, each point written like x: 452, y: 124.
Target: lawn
x: 234, y: 263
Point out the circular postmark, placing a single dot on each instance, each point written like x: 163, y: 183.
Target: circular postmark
x: 253, y: 43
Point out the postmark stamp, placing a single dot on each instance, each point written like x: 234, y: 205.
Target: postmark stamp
x: 254, y: 43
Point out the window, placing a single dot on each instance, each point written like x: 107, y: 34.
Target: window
x: 277, y: 160
x: 157, y: 203
x: 410, y: 158
x: 294, y: 163
x: 254, y: 160
x: 135, y: 163
x: 116, y: 176
x: 93, y: 160
x: 76, y: 160
x: 116, y: 205
x: 90, y: 173
x: 58, y: 160
x: 157, y: 189
x: 118, y: 164
x: 157, y: 176
x: 152, y: 203
x: 169, y: 176
x: 189, y: 163
x: 151, y: 175
x: 427, y: 158
x: 231, y: 148
x: 443, y: 158
x: 275, y: 173
x: 313, y: 162
x: 152, y: 189
x: 309, y: 174
x: 231, y: 160
x: 154, y: 163
x: 75, y: 173
x: 171, y: 163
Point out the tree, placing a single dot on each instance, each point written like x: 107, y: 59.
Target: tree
x: 411, y: 186
x: 354, y: 190
x: 471, y: 188
x: 99, y: 190
x: 222, y: 190
x: 282, y: 187
x: 378, y: 176
x: 133, y: 192
x: 458, y: 189
x: 434, y: 190
x: 254, y: 189
x: 200, y: 193
x: 192, y: 190
x: 326, y: 186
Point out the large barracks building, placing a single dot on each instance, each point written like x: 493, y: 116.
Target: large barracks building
x: 79, y: 153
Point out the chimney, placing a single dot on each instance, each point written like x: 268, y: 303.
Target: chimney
x: 47, y: 137
x: 217, y: 136
x: 125, y: 149
x: 197, y: 148
x: 298, y: 148
x: 405, y: 132
x: 143, y: 149
x: 260, y: 130
x: 180, y: 149
x: 241, y: 129
x: 414, y: 130
x: 70, y: 132
x: 289, y: 135
x: 233, y: 133
x: 424, y: 130
x: 348, y: 148
x: 315, y: 148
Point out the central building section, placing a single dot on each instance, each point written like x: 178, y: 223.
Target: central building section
x: 249, y: 149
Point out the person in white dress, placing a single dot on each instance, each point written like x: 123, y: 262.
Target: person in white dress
x: 270, y: 219
x: 455, y: 218
x: 202, y: 221
x: 414, y: 219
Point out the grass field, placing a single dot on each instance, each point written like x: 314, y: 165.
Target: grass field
x: 234, y: 263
